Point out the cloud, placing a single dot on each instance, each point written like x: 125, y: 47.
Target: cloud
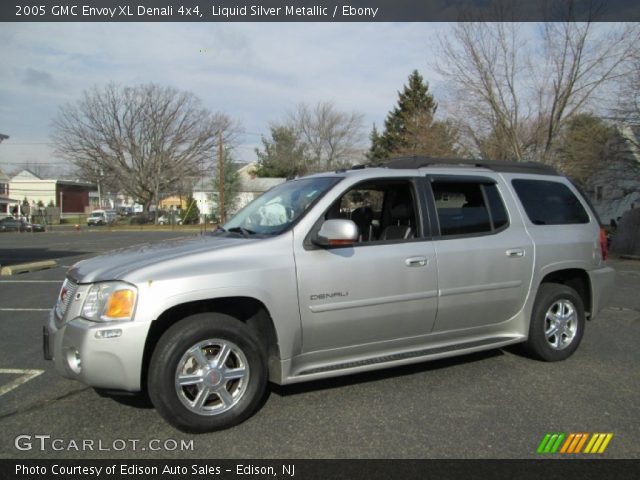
x: 254, y: 72
x: 38, y: 78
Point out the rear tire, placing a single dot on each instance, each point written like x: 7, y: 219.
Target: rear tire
x: 557, y: 323
x: 208, y: 372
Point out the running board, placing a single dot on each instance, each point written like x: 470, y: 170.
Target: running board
x: 501, y: 341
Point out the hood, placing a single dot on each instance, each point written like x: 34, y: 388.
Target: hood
x: 116, y: 264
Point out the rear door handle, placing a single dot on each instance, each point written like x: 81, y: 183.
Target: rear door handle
x: 416, y: 262
x: 515, y: 253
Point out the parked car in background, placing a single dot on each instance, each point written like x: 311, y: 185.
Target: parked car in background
x: 142, y: 218
x: 11, y: 224
x: 168, y: 219
x: 101, y: 217
x: 125, y: 211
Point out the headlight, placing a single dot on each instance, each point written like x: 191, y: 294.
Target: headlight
x: 110, y: 301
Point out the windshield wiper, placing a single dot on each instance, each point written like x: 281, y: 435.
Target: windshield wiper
x: 245, y: 233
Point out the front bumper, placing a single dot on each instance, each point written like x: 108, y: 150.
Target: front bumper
x: 110, y: 363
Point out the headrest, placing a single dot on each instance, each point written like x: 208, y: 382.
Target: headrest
x: 400, y: 212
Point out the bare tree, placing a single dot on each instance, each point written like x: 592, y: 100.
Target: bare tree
x: 332, y: 138
x: 627, y: 107
x: 579, y: 62
x: 516, y: 94
x: 485, y: 64
x: 142, y: 139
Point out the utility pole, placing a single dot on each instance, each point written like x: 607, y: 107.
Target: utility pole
x: 221, y: 179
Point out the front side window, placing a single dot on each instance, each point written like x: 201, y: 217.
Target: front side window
x: 467, y: 208
x: 549, y: 203
x: 383, y: 210
x: 281, y: 207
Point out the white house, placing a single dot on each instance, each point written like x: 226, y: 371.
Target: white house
x: 6, y: 202
x: 252, y: 186
x: 70, y: 196
x: 205, y: 193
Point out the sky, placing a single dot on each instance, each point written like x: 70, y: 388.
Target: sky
x: 254, y: 72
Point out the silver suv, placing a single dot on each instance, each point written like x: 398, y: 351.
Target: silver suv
x: 334, y: 274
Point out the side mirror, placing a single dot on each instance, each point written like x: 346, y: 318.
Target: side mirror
x: 335, y: 233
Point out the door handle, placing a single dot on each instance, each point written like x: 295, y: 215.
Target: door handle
x: 515, y: 253
x: 416, y: 262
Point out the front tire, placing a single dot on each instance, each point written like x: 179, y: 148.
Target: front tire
x: 208, y: 372
x: 557, y: 323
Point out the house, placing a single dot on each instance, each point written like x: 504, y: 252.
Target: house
x: 173, y: 202
x: 616, y: 187
x: 6, y: 202
x: 251, y: 187
x: 203, y: 195
x: 70, y: 196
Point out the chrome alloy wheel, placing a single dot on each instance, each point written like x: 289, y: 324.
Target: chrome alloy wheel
x: 212, y: 376
x: 560, y: 324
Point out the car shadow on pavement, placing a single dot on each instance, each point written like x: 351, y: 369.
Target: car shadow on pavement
x: 141, y: 399
x: 130, y: 399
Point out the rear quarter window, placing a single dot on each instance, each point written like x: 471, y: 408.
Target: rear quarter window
x: 468, y: 208
x: 549, y: 203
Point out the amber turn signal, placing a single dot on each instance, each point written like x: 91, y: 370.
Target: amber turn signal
x: 120, y: 304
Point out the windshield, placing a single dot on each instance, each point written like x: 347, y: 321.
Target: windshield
x: 276, y: 210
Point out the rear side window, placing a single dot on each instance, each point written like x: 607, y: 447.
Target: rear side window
x: 466, y: 208
x: 549, y: 203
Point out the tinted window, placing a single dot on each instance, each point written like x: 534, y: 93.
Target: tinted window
x: 549, y: 203
x: 498, y: 212
x: 468, y: 207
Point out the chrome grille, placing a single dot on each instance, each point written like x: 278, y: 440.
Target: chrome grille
x: 67, y: 292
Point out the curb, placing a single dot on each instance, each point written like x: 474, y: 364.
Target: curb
x: 28, y: 267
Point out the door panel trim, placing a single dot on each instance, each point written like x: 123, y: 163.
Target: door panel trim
x: 480, y: 288
x: 406, y: 297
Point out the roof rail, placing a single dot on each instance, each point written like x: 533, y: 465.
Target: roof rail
x: 494, y: 165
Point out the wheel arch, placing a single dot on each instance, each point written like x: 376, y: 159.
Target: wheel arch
x: 248, y: 310
x: 576, y: 278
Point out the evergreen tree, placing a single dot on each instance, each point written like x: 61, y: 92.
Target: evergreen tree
x: 283, y: 155
x: 192, y: 213
x: 377, y: 152
x: 410, y: 128
x: 231, y: 187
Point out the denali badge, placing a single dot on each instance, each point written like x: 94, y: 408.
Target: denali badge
x: 323, y: 296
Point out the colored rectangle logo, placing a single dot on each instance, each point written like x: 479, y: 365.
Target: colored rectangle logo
x: 574, y: 443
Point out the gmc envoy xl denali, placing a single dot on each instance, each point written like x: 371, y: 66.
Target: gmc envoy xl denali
x: 333, y: 274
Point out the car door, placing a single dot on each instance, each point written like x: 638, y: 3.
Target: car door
x: 381, y: 289
x: 485, y: 256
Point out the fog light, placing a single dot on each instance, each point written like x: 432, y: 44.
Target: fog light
x: 113, y: 333
x: 73, y: 360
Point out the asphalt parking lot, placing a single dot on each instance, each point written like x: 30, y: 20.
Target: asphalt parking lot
x: 496, y: 404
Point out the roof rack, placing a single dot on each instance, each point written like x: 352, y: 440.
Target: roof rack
x: 494, y: 165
